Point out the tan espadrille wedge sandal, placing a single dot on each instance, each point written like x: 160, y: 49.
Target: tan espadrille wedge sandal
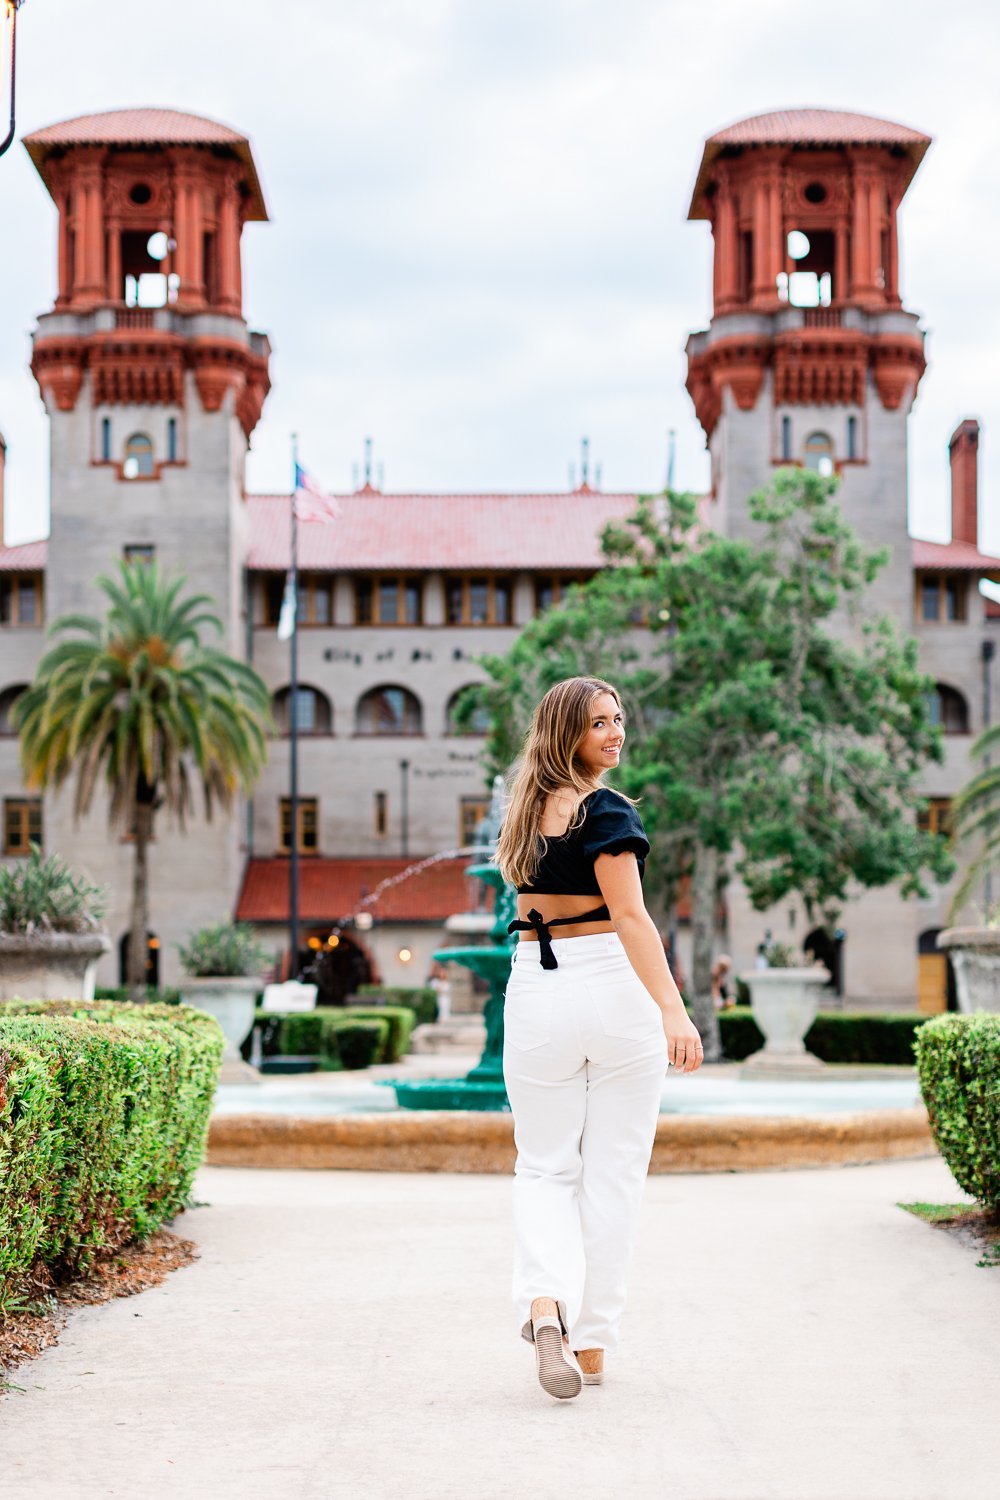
x: 591, y: 1362
x: 557, y: 1369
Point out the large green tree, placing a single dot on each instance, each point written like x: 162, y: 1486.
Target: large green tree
x: 775, y: 731
x: 137, y: 700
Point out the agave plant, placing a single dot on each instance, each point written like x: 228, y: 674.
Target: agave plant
x: 42, y: 895
x: 137, y: 700
x: 224, y: 948
x: 976, y: 820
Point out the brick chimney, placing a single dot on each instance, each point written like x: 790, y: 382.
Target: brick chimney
x: 963, y: 449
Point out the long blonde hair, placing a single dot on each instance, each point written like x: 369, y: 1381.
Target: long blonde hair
x: 548, y: 763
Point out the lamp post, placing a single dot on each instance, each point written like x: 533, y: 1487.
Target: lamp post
x: 404, y: 771
x: 10, y: 10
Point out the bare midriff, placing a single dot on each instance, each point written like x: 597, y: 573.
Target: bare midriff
x: 562, y: 906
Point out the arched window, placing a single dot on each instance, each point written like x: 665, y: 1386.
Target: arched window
x: 819, y: 452
x: 479, y: 723
x: 8, y: 698
x: 138, y: 456
x: 389, y: 710
x: 949, y: 709
x: 314, y: 713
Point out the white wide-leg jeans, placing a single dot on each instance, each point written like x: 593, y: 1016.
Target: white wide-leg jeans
x: 584, y: 1060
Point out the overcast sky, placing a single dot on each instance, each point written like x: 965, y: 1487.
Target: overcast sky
x: 478, y: 248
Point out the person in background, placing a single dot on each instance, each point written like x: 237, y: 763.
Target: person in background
x: 439, y: 982
x: 721, y: 992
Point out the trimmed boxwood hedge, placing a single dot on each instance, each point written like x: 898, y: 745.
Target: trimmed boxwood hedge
x: 958, y: 1064
x: 104, y: 1112
x: 339, y: 1035
x: 834, y: 1036
x: 421, y: 999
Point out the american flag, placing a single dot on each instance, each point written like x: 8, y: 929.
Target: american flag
x: 312, y: 503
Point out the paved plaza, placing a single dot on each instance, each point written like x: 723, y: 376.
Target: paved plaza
x: 346, y: 1336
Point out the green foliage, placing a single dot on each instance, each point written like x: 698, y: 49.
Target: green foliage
x: 422, y: 1000
x: 958, y: 1060
x: 121, y: 993
x: 834, y: 1036
x: 360, y: 1043
x: 224, y: 948
x: 341, y: 1037
x: 135, y: 694
x: 976, y: 815
x: 104, y: 1114
x: 40, y: 894
x: 400, y: 1020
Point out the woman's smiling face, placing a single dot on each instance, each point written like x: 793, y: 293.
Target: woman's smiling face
x: 600, y: 748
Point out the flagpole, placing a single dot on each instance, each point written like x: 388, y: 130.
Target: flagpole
x: 293, y: 797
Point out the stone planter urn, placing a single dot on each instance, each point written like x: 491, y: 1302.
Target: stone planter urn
x: 50, y: 966
x: 784, y: 1004
x: 233, y: 1002
x: 975, y: 957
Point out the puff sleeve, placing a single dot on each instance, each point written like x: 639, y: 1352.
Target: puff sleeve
x: 613, y: 826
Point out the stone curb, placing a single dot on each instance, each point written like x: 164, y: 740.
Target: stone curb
x: 447, y: 1141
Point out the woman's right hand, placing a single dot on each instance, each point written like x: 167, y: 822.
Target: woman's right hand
x: 684, y: 1048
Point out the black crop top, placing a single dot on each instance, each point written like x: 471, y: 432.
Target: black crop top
x: 610, y: 825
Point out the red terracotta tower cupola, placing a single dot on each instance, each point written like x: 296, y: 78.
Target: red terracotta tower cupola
x: 152, y: 204
x: 803, y: 207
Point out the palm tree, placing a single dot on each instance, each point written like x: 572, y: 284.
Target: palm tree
x: 138, y: 701
x: 976, y: 815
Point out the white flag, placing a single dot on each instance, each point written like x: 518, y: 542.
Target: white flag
x: 286, y: 619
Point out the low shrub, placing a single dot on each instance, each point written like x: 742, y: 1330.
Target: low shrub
x: 104, y: 1112
x: 421, y: 1000
x: 358, y: 1043
x: 401, y: 1020
x: 958, y: 1064
x: 338, y: 1037
x: 834, y: 1036
x: 121, y: 992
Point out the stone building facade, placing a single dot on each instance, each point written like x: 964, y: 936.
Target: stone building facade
x: 153, y: 384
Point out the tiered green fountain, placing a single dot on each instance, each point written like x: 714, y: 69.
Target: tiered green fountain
x: 482, y: 1087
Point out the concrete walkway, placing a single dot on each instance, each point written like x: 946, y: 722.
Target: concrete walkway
x: 347, y: 1336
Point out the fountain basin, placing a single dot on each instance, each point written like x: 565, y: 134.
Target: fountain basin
x: 483, y: 1141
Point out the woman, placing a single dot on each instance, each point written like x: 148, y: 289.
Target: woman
x: 592, y: 1019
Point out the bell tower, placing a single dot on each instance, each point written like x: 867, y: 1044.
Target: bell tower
x: 153, y: 384
x: 810, y: 357
x: 151, y: 378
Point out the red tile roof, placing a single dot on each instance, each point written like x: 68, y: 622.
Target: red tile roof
x: 817, y: 127
x: 29, y: 557
x: 440, y: 531
x: 332, y: 889
x: 961, y: 556
x: 145, y: 127
x: 807, y: 127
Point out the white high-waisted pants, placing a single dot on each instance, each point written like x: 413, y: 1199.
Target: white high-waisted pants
x: 584, y: 1060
